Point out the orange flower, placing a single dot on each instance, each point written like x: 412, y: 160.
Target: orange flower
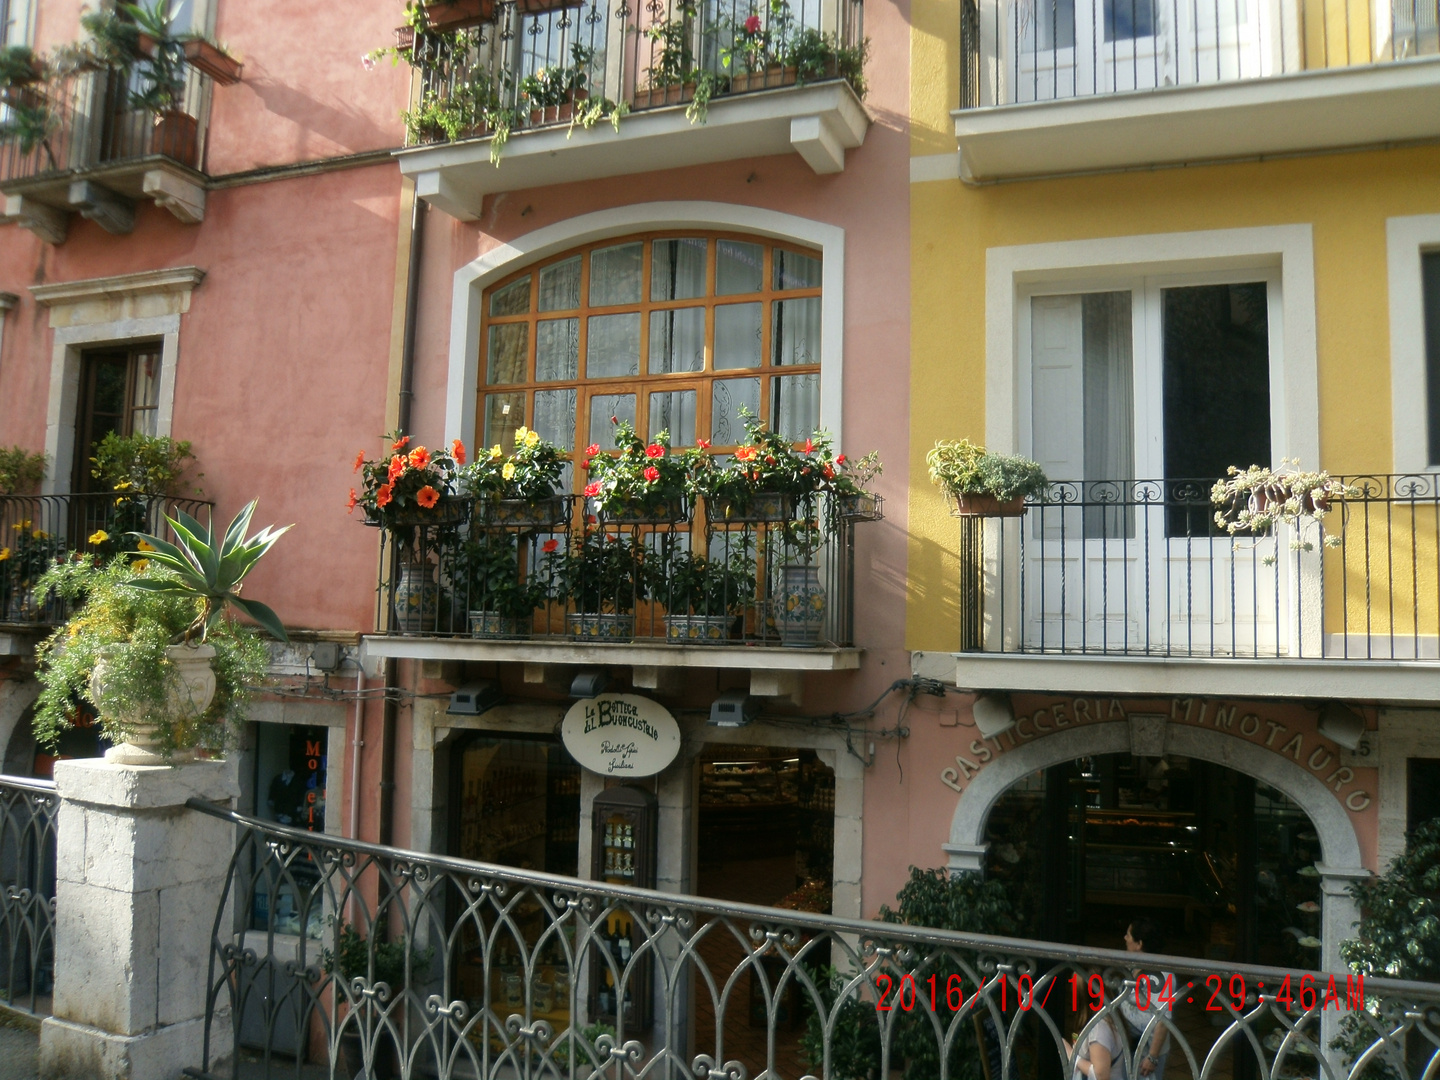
x: 419, y: 457
x: 746, y: 453
x: 400, y: 444
x: 359, y: 460
x: 397, y: 468
x: 427, y: 496
x: 549, y: 546
x: 457, y: 451
x: 652, y: 474
x: 350, y: 506
x: 654, y: 450
x: 592, y: 489
x: 383, y: 496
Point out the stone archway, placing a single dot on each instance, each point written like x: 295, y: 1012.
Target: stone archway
x: 1339, y: 845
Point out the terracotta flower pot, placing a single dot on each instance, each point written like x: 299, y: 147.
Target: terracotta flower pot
x: 557, y: 114
x: 655, y: 97
x: 219, y: 65
x: 445, y: 15
x: 177, y: 136
x: 976, y: 505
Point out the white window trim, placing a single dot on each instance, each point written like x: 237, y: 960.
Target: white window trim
x: 474, y: 278
x: 108, y: 311
x: 1013, y: 273
x: 1405, y: 239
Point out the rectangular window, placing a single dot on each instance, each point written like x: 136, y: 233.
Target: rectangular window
x: 291, y: 763
x: 1423, y: 780
x: 119, y: 392
x: 1430, y: 284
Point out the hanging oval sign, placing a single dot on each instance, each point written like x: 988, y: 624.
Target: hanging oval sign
x: 621, y: 735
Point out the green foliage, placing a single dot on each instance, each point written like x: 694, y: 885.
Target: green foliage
x: 20, y: 470
x: 962, y: 468
x: 131, y: 628
x: 1399, y: 931
x: 153, y: 464
x: 390, y: 962
x: 19, y: 65
x: 488, y: 568
x: 602, y: 572
x: 1255, y: 500
x: 559, y: 84
x: 28, y: 124
x: 642, y: 474
x: 472, y: 105
x: 398, y: 490
x: 209, y: 571
x: 675, y: 61
x: 816, y: 56
x: 768, y: 462
x: 714, y: 586
x: 532, y: 472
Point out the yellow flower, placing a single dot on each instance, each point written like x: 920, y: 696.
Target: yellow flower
x: 522, y: 433
x: 495, y: 451
x: 39, y: 534
x: 508, y: 472
x: 99, y: 536
x: 21, y: 526
x: 123, y: 485
x: 4, y: 554
x: 532, y: 438
x: 143, y: 546
x: 139, y: 565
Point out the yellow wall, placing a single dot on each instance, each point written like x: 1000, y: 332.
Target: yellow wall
x: 1346, y: 198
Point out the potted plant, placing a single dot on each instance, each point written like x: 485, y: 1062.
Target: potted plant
x: 552, y: 92
x: 767, y: 478
x: 499, y: 603
x: 670, y: 78
x: 19, y: 66
x: 602, y: 575
x: 411, y: 495
x: 24, y: 560
x: 160, y: 68
x: 769, y: 52
x: 854, y: 501
x: 1257, y: 499
x: 706, y: 597
x: 153, y: 645
x: 148, y: 464
x: 393, y: 963
x: 981, y: 483
x: 642, y: 484
x: 204, y: 55
x: 521, y: 489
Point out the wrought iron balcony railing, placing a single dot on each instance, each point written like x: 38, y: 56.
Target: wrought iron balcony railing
x: 36, y: 530
x: 28, y: 810
x: 96, y: 118
x: 381, y: 959
x: 1016, y: 51
x: 1139, y: 568
x: 542, y: 61
x: 778, y: 573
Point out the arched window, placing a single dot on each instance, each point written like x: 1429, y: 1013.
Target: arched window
x: 675, y: 332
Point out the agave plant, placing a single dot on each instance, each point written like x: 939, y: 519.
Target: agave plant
x: 212, y: 574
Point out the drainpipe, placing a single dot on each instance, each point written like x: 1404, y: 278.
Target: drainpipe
x: 357, y: 743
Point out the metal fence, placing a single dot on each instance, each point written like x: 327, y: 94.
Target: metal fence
x: 542, y: 60
x: 1140, y: 568
x: 781, y: 571
x: 36, y: 530
x: 28, y: 810
x: 405, y: 964
x: 1016, y: 51
x: 83, y: 119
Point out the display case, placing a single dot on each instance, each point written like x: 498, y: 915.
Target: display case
x: 623, y: 853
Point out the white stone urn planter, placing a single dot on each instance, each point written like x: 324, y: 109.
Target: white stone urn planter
x: 188, y: 699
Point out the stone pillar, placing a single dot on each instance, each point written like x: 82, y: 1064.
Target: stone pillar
x: 138, y: 878
x: 1339, y: 915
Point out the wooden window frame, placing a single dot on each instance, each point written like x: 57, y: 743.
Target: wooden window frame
x: 130, y: 355
x: 643, y: 384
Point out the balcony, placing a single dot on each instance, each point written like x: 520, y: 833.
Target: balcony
x: 36, y: 530
x: 1071, y: 86
x: 79, y: 141
x: 613, y: 88
x: 1100, y: 577
x: 564, y: 588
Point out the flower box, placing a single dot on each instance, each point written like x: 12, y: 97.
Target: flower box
x: 594, y: 626
x: 977, y: 505
x: 216, y: 63
x: 557, y: 114
x: 490, y: 624
x: 700, y: 629
x: 861, y: 506
x: 521, y: 513
x: 450, y: 510
x: 762, y: 506
x: 655, y: 97
x: 177, y: 136
x: 668, y: 512
x: 446, y: 15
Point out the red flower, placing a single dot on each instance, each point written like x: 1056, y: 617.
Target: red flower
x: 585, y: 464
x: 746, y: 453
x: 427, y: 497
x: 397, y: 467
x: 400, y: 444
x: 549, y: 546
x: 769, y: 459
x: 383, y: 496
x: 752, y: 24
x: 652, y: 474
x: 350, y: 506
x: 614, y: 419
x: 592, y: 489
x: 359, y: 460
x: 589, y: 519
x: 654, y: 450
x: 592, y: 449
x: 419, y: 457
x: 809, y: 446
x: 704, y: 444
x: 457, y: 451
x: 840, y: 460
x: 829, y: 472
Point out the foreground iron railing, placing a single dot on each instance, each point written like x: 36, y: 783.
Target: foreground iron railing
x: 28, y: 810
x: 1015, y: 51
x: 36, y: 530
x: 1140, y: 568
x: 782, y: 573
x: 407, y: 964
x: 93, y: 117
x: 543, y: 60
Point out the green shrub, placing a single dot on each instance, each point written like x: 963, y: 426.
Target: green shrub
x: 20, y: 470
x: 153, y: 464
x: 962, y: 468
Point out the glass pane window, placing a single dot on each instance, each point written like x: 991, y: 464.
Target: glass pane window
x: 677, y: 269
x: 606, y: 410
x: 795, y: 337
x: 673, y: 411
x: 503, y: 414
x: 512, y: 299
x: 737, y: 336
x: 615, y: 275
x: 795, y: 406
x: 555, y: 417
x: 739, y: 268
x: 796, y: 271
x: 677, y: 340
x: 507, y: 354
x: 728, y: 398
x: 613, y: 346
x: 560, y: 286
x: 557, y: 350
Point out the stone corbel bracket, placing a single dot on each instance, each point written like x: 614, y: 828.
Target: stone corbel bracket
x: 112, y: 211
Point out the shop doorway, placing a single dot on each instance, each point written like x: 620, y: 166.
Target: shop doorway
x: 766, y: 836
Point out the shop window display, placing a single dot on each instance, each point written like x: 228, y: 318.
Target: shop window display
x: 291, y: 763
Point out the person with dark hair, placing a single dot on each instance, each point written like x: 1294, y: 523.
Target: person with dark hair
x: 1143, y: 935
